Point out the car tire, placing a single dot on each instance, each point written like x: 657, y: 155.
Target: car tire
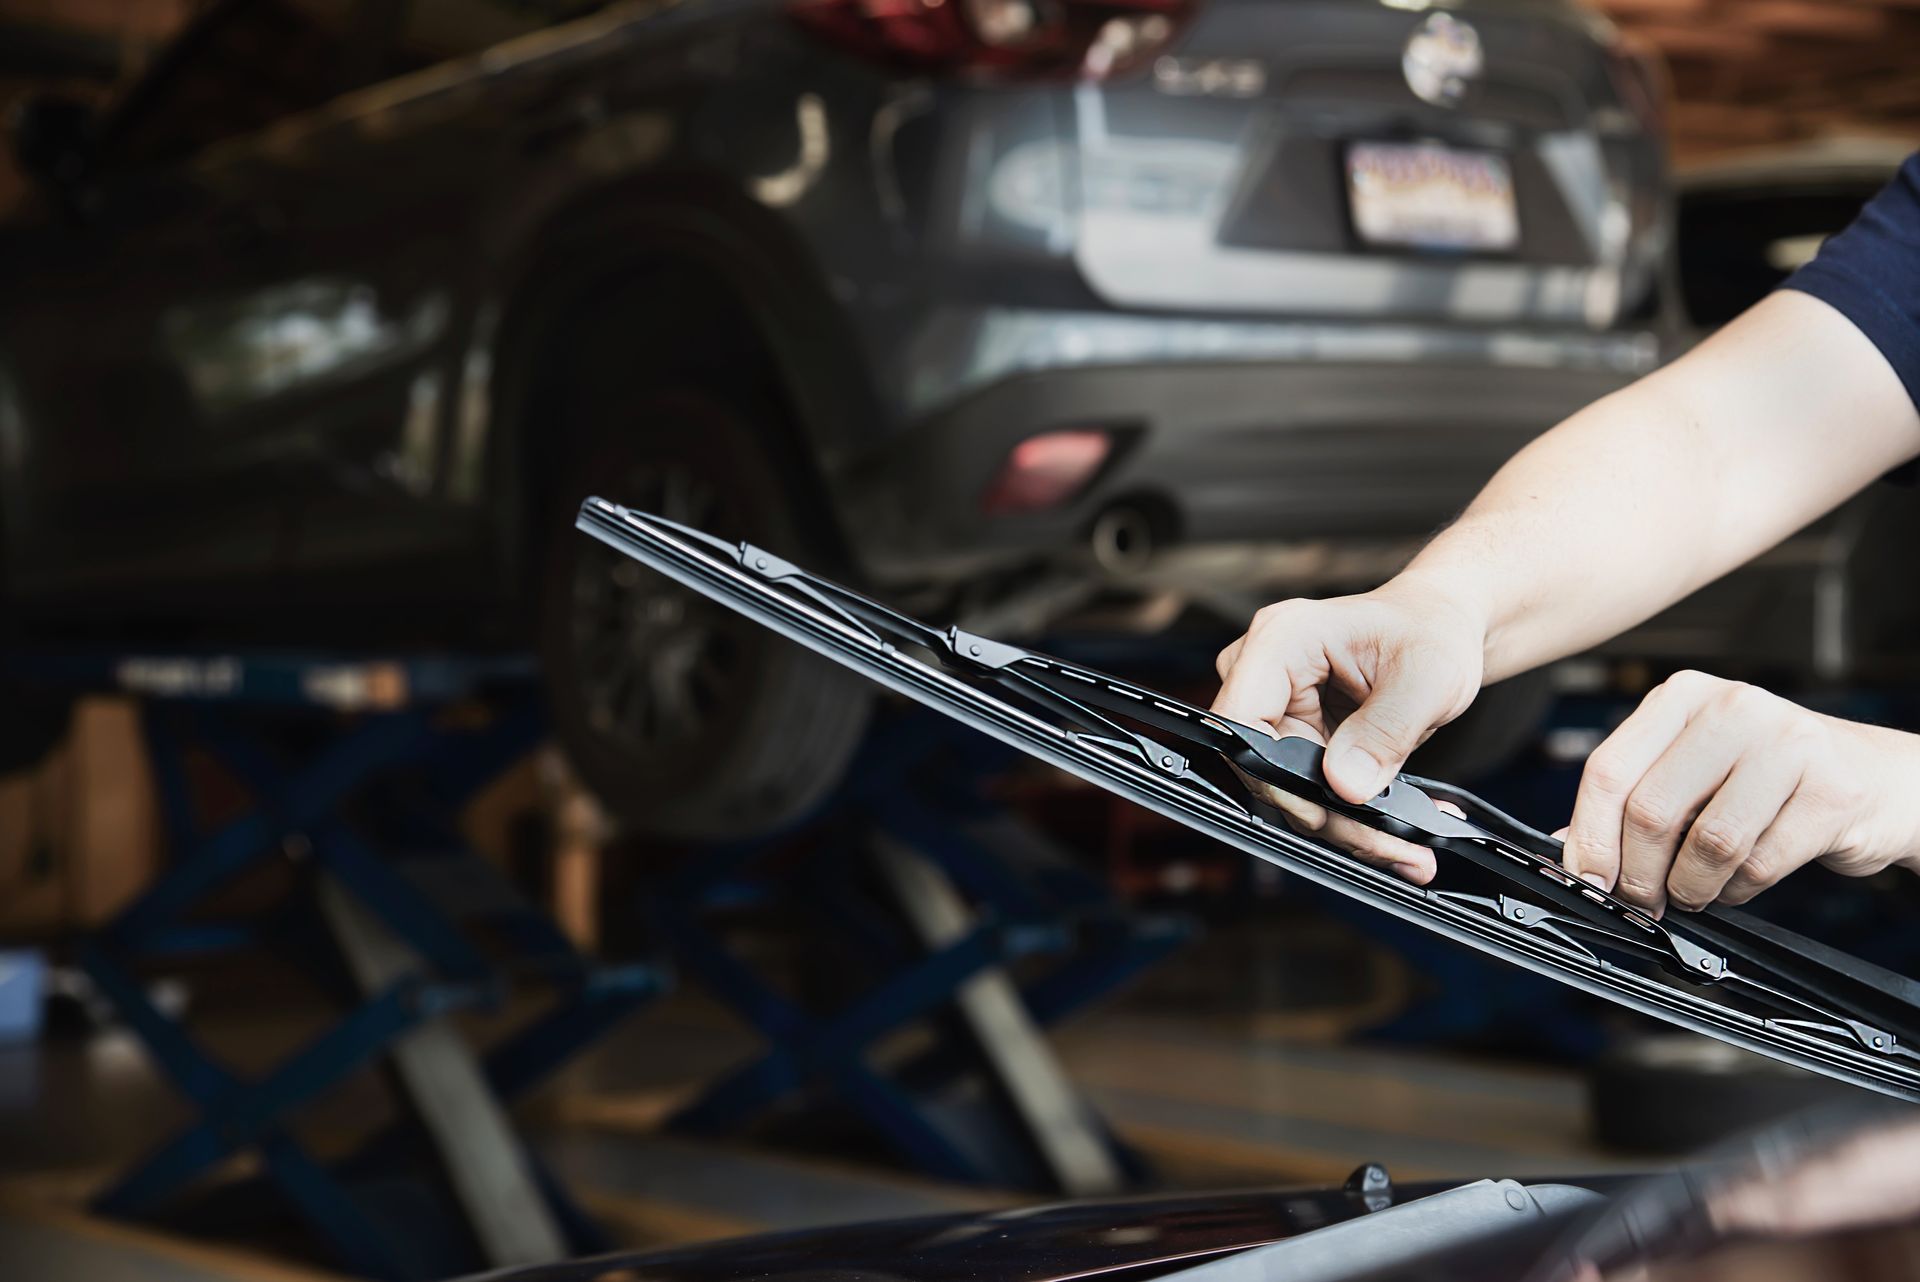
x: 688, y: 720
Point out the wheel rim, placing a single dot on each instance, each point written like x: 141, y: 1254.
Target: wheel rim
x: 660, y: 668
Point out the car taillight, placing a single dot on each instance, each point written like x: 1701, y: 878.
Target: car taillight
x: 1045, y: 471
x: 998, y: 38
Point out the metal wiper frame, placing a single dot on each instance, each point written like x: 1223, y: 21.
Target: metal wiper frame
x: 1725, y: 974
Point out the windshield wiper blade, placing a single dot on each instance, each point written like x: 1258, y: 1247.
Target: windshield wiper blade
x: 1501, y: 888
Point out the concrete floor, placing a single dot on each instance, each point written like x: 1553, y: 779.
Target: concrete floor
x: 1207, y: 1103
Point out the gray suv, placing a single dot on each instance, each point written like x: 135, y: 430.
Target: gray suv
x: 318, y: 336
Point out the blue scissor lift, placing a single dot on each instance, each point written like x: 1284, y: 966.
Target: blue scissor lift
x: 965, y: 923
x: 951, y: 921
x: 354, y: 770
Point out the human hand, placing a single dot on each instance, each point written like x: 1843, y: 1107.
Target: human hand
x: 1370, y: 676
x: 1804, y: 1191
x: 1870, y: 1177
x: 1714, y: 789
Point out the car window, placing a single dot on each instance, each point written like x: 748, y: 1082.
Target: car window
x: 246, y: 65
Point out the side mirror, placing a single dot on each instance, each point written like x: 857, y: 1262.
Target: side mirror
x: 53, y: 139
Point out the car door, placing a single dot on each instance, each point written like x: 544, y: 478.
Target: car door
x: 126, y: 475
x: 383, y: 194
x: 102, y: 447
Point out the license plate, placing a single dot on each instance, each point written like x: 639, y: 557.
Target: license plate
x: 1425, y: 196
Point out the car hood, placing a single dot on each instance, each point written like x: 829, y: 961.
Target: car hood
x: 1137, y: 1237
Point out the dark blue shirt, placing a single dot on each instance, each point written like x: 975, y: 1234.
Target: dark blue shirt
x: 1870, y: 273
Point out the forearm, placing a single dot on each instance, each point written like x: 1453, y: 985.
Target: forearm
x: 1659, y: 489
x: 1590, y: 529
x: 1886, y: 828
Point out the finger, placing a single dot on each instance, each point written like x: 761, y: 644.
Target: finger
x: 1224, y: 661
x: 1369, y: 846
x: 1661, y: 807
x: 1266, y: 689
x: 1866, y: 1179
x: 1724, y: 835
x: 1257, y: 690
x: 1593, y: 836
x: 1796, y: 836
x: 1301, y: 815
x: 1396, y: 716
x: 1415, y: 863
x: 1759, y: 1206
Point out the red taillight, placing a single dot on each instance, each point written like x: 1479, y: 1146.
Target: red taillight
x: 1093, y: 38
x: 1045, y: 471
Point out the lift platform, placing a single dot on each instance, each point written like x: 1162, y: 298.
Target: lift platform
x: 353, y: 772
x: 939, y: 936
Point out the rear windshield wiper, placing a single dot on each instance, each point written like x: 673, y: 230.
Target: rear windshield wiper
x: 1502, y: 889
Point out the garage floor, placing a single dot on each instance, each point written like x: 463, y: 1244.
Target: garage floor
x: 1210, y: 1104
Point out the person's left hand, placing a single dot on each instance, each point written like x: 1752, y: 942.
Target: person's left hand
x: 1714, y: 789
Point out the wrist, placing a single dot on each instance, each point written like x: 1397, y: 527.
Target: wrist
x: 1458, y: 601
x: 1887, y: 762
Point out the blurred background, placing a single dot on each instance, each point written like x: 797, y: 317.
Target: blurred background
x: 392, y: 884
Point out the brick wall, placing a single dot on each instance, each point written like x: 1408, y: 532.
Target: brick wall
x: 1755, y: 73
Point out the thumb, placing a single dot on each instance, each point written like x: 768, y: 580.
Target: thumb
x: 1370, y: 746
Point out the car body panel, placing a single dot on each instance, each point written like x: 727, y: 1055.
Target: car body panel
x: 1308, y: 451
x: 320, y: 370
x: 1234, y: 200
x: 1133, y: 1239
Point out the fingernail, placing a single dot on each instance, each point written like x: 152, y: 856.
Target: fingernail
x: 1594, y: 879
x: 1356, y: 767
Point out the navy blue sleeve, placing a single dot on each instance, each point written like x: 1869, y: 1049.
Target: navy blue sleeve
x: 1870, y: 273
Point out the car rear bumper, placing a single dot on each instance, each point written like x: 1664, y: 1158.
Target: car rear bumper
x: 1215, y: 453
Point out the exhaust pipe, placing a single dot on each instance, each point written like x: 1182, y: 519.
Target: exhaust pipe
x: 1123, y: 540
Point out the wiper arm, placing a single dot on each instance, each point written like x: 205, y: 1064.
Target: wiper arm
x: 1723, y: 973
x: 1405, y: 808
x: 1406, y: 1240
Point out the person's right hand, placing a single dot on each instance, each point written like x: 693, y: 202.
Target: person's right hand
x: 1370, y: 676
